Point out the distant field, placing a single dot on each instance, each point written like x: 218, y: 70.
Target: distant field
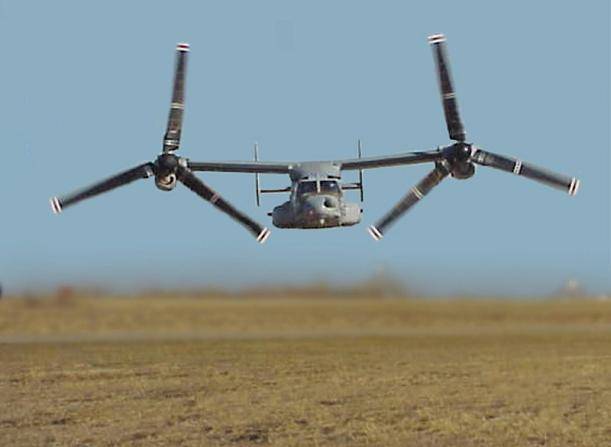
x: 301, y: 372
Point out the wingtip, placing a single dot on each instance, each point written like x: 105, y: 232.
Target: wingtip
x: 375, y: 233
x: 436, y: 38
x: 263, y: 235
x: 574, y: 186
x: 55, y: 205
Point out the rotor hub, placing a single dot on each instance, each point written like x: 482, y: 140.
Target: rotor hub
x: 167, y: 163
x: 463, y: 170
x: 166, y: 167
x: 458, y: 157
x: 462, y: 152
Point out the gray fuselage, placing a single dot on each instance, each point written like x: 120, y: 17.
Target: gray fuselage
x: 317, y: 200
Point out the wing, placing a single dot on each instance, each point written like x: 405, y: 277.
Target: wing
x: 279, y: 167
x: 407, y: 158
x: 263, y: 167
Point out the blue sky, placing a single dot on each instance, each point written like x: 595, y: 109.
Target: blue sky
x: 85, y: 93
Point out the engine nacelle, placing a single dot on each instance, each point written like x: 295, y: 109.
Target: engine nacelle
x: 463, y: 170
x: 167, y: 183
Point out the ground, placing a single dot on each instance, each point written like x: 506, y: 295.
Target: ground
x: 300, y: 372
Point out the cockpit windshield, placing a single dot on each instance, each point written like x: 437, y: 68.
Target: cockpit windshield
x: 329, y: 187
x: 307, y: 187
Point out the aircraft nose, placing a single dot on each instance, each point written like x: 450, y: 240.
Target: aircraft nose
x: 330, y: 202
x: 323, y: 205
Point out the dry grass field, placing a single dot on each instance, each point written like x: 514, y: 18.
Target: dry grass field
x: 304, y: 372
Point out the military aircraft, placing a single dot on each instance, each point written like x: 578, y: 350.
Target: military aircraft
x: 316, y: 194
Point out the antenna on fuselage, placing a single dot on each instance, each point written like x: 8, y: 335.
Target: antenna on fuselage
x: 257, y: 184
x: 360, y: 153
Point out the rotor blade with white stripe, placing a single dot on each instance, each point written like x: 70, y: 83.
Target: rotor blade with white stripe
x: 414, y: 195
x: 171, y: 139
x: 518, y: 167
x: 448, y: 95
x: 192, y: 182
x: 139, y: 172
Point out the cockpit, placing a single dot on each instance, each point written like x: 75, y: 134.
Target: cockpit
x: 318, y: 187
x: 307, y: 187
x: 329, y: 187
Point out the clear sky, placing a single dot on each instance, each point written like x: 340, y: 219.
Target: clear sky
x: 85, y: 93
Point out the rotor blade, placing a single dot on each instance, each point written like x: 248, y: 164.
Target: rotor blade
x: 518, y: 167
x: 415, y: 194
x: 448, y: 96
x: 205, y: 192
x: 171, y: 139
x: 143, y: 171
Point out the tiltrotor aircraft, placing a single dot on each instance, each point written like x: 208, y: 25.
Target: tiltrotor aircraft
x: 316, y: 194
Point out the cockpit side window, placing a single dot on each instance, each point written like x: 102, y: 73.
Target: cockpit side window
x: 307, y: 187
x: 329, y: 187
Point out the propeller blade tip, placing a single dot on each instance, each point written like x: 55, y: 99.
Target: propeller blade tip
x: 436, y: 38
x: 262, y: 237
x: 574, y: 186
x: 183, y: 47
x: 55, y: 205
x: 375, y: 233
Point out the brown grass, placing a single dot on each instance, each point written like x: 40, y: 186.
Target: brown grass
x: 305, y: 372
